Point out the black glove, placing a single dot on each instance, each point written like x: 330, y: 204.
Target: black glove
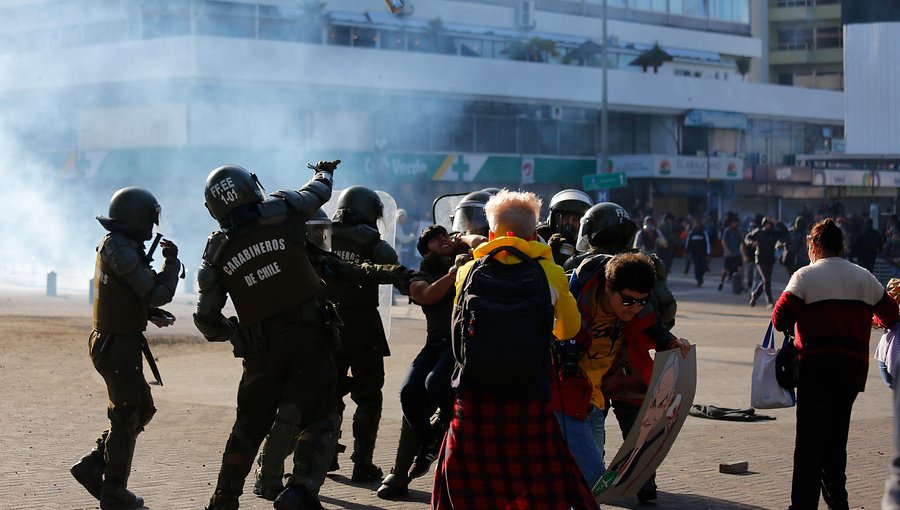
x: 327, y: 166
x: 569, y: 352
x: 169, y: 249
x: 560, y: 245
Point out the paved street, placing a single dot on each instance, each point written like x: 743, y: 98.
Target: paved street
x: 54, y: 405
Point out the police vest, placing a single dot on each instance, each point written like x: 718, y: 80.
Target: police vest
x: 117, y: 308
x: 266, y: 271
x: 354, y: 244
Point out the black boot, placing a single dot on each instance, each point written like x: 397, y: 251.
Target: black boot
x: 117, y: 497
x: 297, y: 497
x: 422, y: 462
x: 364, y: 472
x: 223, y: 501
x: 89, y: 472
x: 267, y: 491
x: 648, y: 491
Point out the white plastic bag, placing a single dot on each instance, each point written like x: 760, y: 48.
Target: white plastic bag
x: 765, y: 393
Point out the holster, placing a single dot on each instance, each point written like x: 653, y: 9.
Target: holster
x: 249, y: 340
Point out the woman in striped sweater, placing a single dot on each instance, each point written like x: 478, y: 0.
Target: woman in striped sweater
x: 829, y: 305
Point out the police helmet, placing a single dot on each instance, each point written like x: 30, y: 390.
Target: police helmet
x: 134, y: 210
x: 359, y: 204
x: 566, y: 210
x: 318, y: 230
x: 469, y: 216
x: 491, y: 191
x: 606, y: 225
x: 229, y: 187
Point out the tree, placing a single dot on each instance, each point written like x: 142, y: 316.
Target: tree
x: 535, y: 49
x: 743, y: 66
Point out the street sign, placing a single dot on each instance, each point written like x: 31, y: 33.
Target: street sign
x: 593, y: 182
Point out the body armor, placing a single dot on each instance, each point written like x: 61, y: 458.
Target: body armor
x: 266, y: 271
x: 117, y: 308
x: 358, y: 244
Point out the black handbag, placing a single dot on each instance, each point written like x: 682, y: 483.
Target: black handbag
x: 787, y: 367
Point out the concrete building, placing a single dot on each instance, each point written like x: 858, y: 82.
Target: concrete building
x: 445, y: 96
x: 805, y: 43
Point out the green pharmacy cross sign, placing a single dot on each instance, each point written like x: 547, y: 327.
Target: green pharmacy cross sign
x: 594, y: 182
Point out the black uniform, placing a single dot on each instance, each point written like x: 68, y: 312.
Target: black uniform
x: 282, y: 331
x: 363, y: 341
x: 289, y: 420
x: 125, y: 289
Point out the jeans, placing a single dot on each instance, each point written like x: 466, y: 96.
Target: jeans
x: 426, y: 388
x: 581, y: 437
x: 888, y: 378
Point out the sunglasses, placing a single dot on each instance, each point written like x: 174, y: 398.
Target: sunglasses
x: 631, y: 301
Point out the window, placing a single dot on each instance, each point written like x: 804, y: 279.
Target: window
x: 695, y: 8
x: 795, y: 39
x: 452, y: 133
x: 364, y: 37
x: 829, y: 37
x: 734, y: 11
x: 393, y: 40
x: 577, y: 138
x: 648, y: 5
x: 495, y: 134
x: 339, y: 36
x: 226, y: 19
x: 470, y: 47
x: 165, y: 18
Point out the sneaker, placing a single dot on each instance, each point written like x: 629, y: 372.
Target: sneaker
x: 297, y: 497
x: 89, y: 472
x: 720, y: 286
x: 116, y: 497
x: 753, y: 300
x: 222, y: 501
x: 267, y: 491
x: 422, y: 462
x: 393, y: 487
x: 366, y: 472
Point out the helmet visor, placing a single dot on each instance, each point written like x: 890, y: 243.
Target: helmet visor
x: 585, y: 231
x: 470, y: 219
x: 566, y: 223
x: 318, y: 233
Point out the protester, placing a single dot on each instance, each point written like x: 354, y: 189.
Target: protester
x: 649, y: 239
x: 891, y: 500
x: 610, y: 292
x: 282, y: 330
x: 696, y: 247
x: 126, y: 292
x: 829, y: 305
x: 731, y: 249
x: 504, y: 449
x: 763, y: 240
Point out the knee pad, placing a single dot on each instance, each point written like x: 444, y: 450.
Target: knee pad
x: 126, y: 418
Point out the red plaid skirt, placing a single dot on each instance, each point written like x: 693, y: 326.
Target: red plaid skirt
x: 506, y: 454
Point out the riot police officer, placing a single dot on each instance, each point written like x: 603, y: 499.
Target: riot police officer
x: 469, y: 217
x: 331, y: 268
x: 561, y: 226
x: 356, y: 239
x: 260, y: 259
x: 126, y: 292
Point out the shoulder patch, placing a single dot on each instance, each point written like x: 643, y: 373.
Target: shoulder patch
x: 215, y: 245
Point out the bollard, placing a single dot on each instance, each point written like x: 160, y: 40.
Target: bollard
x: 91, y: 291
x: 51, y: 284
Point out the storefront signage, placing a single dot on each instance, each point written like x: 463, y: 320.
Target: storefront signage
x: 716, y: 119
x: 858, y: 178
x: 680, y: 167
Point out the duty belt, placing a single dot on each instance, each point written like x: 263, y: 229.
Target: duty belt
x: 310, y: 312
x: 145, y: 348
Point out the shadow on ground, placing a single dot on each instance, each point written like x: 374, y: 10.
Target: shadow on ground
x: 671, y: 500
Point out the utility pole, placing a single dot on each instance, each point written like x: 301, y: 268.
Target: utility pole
x: 604, y: 108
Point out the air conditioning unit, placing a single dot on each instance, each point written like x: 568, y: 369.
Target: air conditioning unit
x: 525, y: 14
x: 556, y: 112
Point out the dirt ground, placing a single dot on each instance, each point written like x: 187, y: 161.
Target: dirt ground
x: 54, y: 407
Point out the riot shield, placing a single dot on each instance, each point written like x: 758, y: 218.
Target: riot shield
x: 443, y: 208
x: 387, y: 226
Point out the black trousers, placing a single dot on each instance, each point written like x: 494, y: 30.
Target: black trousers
x: 820, y: 448
x: 297, y: 367
x: 118, y: 358
x: 427, y: 388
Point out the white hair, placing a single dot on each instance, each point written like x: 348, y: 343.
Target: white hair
x: 513, y: 211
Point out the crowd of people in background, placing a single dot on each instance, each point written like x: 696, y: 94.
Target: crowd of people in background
x: 753, y: 245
